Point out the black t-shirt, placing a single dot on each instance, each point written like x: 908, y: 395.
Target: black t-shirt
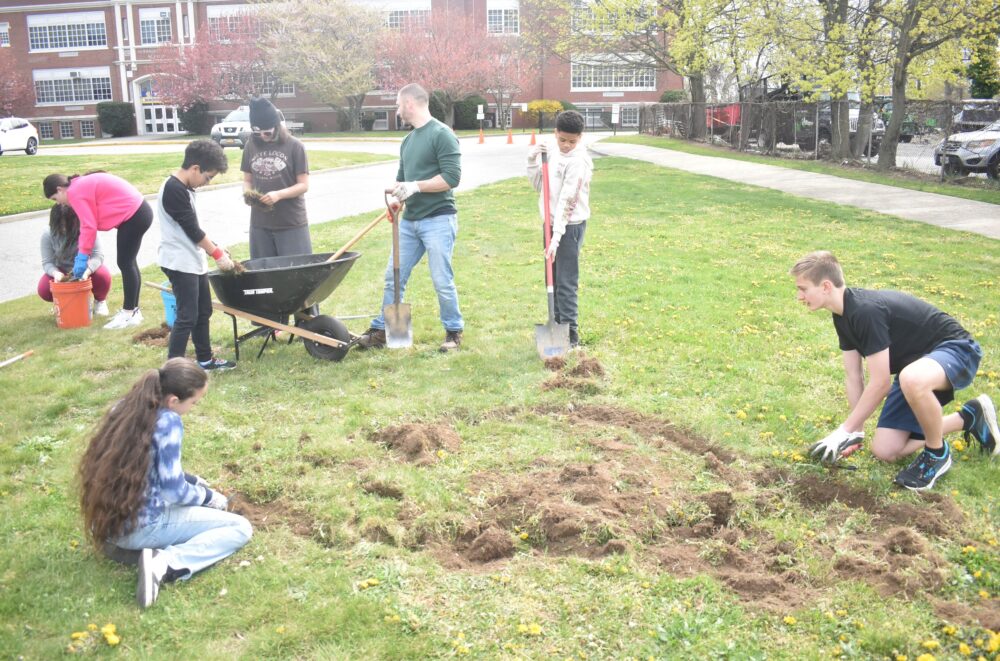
x: 877, y: 320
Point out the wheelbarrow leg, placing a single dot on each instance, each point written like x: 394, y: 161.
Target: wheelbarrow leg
x: 236, y: 336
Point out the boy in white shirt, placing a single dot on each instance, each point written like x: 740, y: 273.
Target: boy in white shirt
x: 570, y: 172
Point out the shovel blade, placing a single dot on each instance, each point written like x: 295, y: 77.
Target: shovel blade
x: 551, y: 339
x: 398, y: 326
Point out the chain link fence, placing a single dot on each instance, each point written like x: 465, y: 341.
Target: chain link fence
x: 800, y: 130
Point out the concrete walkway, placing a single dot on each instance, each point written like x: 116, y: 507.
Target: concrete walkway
x: 941, y: 210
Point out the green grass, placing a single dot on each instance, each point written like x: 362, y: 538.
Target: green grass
x: 969, y: 189
x: 685, y: 301
x: 23, y: 177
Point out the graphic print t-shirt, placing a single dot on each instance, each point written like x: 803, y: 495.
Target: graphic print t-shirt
x: 277, y: 165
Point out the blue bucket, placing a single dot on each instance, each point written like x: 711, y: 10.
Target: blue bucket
x: 169, y: 306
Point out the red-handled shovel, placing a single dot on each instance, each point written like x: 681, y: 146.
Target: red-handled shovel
x: 551, y: 339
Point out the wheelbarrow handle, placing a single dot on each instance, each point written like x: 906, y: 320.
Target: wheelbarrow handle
x: 357, y: 237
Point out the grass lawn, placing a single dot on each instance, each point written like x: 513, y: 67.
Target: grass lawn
x: 23, y: 177
x: 970, y: 188
x: 649, y: 499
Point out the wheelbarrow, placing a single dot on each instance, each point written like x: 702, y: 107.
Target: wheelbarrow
x: 272, y: 288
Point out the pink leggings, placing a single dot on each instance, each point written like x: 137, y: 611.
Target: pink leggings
x: 100, y: 280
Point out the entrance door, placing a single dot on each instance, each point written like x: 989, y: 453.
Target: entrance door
x: 160, y: 119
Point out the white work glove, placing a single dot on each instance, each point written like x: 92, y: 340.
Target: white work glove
x: 830, y: 448
x: 225, y: 263
x: 405, y: 189
x: 533, y: 153
x: 553, y: 247
x: 218, y: 501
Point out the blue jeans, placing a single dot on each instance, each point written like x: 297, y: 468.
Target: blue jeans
x: 194, y: 538
x: 435, y: 236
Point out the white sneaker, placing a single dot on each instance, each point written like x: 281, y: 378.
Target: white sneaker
x: 100, y: 308
x: 124, y: 319
x: 152, y: 568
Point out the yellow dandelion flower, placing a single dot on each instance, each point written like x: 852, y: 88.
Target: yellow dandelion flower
x: 280, y: 629
x: 841, y: 613
x: 73, y: 544
x: 523, y: 535
x: 522, y: 628
x: 901, y: 657
x: 108, y: 629
x: 930, y: 644
x: 91, y: 627
x: 949, y: 630
x: 994, y: 642
x: 79, y: 635
x: 789, y: 620
x: 983, y: 594
x: 534, y: 629
x: 969, y: 549
x: 741, y: 415
x: 461, y: 650
x: 926, y: 657
x: 112, y: 639
x: 964, y: 649
x: 977, y: 574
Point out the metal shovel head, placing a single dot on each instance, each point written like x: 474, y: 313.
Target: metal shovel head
x: 551, y: 339
x: 398, y: 326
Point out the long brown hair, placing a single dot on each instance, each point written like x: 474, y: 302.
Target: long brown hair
x: 63, y: 221
x: 114, y: 469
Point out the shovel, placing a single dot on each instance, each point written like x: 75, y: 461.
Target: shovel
x: 398, y: 324
x: 551, y: 339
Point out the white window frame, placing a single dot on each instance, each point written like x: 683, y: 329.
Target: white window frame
x: 66, y: 31
x: 152, y: 18
x: 4, y: 35
x: 232, y: 16
x: 63, y: 125
x: 60, y: 87
x: 607, y: 73
x: 629, y: 116
x: 503, y: 17
x: 45, y: 131
x: 88, y: 128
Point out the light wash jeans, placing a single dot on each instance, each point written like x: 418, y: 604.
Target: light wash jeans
x: 194, y: 538
x: 435, y: 236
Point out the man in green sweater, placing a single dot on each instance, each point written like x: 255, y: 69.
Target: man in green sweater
x: 430, y: 167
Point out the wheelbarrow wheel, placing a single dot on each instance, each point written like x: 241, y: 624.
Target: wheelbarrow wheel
x: 331, y: 327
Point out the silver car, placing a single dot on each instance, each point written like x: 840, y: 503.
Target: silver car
x: 973, y: 151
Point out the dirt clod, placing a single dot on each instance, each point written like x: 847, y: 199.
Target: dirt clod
x: 383, y: 489
x: 491, y: 544
x: 153, y: 337
x: 419, y: 443
x: 267, y: 516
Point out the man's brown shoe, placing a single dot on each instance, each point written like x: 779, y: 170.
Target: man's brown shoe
x: 452, y: 340
x: 373, y: 338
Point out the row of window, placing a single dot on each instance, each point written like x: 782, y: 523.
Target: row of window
x: 72, y: 89
x: 47, y: 130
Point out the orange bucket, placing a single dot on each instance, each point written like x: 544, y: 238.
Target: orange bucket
x: 72, y: 301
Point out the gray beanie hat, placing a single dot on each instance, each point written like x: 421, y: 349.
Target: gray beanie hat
x: 263, y: 115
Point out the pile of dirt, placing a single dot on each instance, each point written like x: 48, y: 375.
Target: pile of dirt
x: 153, y: 337
x: 418, y: 443
x: 267, y: 516
x: 579, y: 372
x: 382, y: 489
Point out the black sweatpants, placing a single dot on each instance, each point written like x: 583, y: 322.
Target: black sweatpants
x: 130, y: 235
x: 194, y: 309
x: 566, y: 274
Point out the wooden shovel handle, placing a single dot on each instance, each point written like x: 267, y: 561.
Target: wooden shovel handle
x: 357, y: 237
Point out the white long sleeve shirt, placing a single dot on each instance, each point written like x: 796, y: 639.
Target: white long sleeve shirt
x: 569, y: 187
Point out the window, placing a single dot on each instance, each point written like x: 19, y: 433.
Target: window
x: 629, y: 115
x: 502, y: 21
x: 227, y: 21
x: 87, y: 128
x: 596, y: 74
x: 594, y: 17
x: 64, y: 31
x: 4, y: 34
x: 45, y: 130
x: 154, y: 27
x: 268, y: 88
x: 54, y: 86
x: 410, y: 19
x: 66, y: 130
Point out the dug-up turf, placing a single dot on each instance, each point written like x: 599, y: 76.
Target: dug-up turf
x: 418, y: 443
x: 577, y: 372
x: 153, y: 337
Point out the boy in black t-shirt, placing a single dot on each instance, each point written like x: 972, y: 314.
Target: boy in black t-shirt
x: 928, y: 351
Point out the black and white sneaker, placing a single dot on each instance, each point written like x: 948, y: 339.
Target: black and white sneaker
x: 219, y: 364
x: 925, y: 470
x: 152, y: 567
x: 980, y: 418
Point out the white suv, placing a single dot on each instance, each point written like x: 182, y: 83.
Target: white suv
x: 234, y: 130
x: 18, y: 134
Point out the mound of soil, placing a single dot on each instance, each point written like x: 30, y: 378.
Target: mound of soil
x: 586, y: 367
x: 579, y: 373
x: 383, y: 489
x: 418, y: 443
x: 153, y: 337
x: 267, y: 516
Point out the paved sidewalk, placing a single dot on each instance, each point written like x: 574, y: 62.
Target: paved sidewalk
x: 941, y: 210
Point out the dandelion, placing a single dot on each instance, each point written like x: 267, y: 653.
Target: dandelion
x: 968, y: 549
x: 977, y: 574
x: 112, y: 639
x: 926, y: 657
x: 523, y: 535
x: 741, y: 415
x: 964, y: 649
x: 79, y: 635
x: 901, y: 657
x: 949, y: 630
x: 109, y: 629
x: 841, y: 613
x: 280, y: 629
x: 534, y: 629
x: 522, y: 628
x: 91, y: 627
x: 983, y: 594
x: 789, y: 620
x: 930, y: 644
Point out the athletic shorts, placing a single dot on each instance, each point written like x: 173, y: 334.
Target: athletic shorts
x: 960, y: 361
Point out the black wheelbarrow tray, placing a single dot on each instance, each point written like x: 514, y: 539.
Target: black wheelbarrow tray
x: 272, y: 288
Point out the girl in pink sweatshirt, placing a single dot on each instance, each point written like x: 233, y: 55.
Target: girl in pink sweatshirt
x: 104, y: 202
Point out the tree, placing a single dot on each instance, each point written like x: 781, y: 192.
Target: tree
x: 16, y: 91
x: 506, y: 71
x: 226, y: 62
x: 327, y: 46
x: 446, y: 55
x: 984, y: 72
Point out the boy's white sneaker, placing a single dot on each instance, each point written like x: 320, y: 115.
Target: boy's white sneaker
x: 124, y: 319
x: 100, y: 308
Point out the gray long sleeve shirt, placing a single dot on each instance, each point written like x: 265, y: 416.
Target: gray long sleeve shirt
x: 58, y: 254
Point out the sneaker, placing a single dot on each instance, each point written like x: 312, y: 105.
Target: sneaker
x: 373, y: 338
x: 925, y: 470
x: 124, y: 319
x: 452, y: 340
x: 219, y: 364
x: 100, y: 308
x: 983, y: 427
x: 152, y: 568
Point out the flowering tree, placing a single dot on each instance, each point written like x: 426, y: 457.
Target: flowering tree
x: 446, y: 55
x: 16, y: 91
x: 506, y: 71
x: 227, y: 62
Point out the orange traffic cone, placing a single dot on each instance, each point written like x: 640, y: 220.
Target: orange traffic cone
x: 532, y: 138
x: 481, y: 140
x: 510, y: 136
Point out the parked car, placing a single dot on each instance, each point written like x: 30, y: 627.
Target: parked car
x: 971, y: 151
x: 234, y: 130
x: 18, y: 134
